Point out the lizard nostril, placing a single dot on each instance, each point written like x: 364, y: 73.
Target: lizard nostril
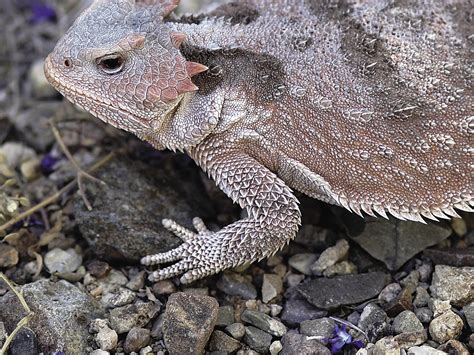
x: 68, y: 63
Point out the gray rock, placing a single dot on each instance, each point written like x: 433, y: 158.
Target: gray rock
x: 137, y: 281
x: 424, y: 350
x: 106, y: 338
x: 397, y: 241
x: 137, y: 338
x: 99, y: 352
x: 225, y: 316
x: 234, y: 284
x: 373, y: 320
x: 469, y: 314
x: 61, y: 261
x: 323, y: 327
x: 302, y: 262
x: 422, y: 297
x: 390, y: 292
x: 296, y: 311
x: 330, y: 256
x: 425, y: 270
x: 163, y: 287
x: 272, y: 286
x: 342, y: 290
x: 220, y: 341
x: 24, y: 343
x: 424, y: 314
x: 455, y: 285
x: 257, y: 339
x: 3, y: 333
x: 122, y: 319
x: 118, y: 297
x: 125, y: 223
x: 439, y: 307
x: 236, y: 330
x: 264, y: 322
x: 299, y: 344
x: 189, y: 322
x: 407, y: 322
x: 61, y: 312
x: 446, y: 327
x: 157, y: 328
x: 453, y: 257
x: 314, y: 237
x: 386, y: 345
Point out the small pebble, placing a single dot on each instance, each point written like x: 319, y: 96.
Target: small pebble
x: 236, y: 330
x: 225, y: 316
x: 330, y: 256
x: 390, y: 292
x: 8, y: 256
x: 424, y: 314
x: 234, y: 284
x: 407, y: 322
x: 137, y: 339
x: 62, y: 261
x: 302, y: 262
x: 257, y: 339
x: 106, y: 338
x: 264, y: 322
x: 272, y: 286
x: 276, y: 347
x: 164, y: 287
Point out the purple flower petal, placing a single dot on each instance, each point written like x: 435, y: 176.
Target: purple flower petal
x: 48, y: 163
x: 41, y: 12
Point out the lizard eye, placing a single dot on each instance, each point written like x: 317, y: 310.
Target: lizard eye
x: 111, y: 64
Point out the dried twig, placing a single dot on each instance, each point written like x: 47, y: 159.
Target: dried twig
x: 52, y: 198
x: 80, y: 172
x: 23, y: 321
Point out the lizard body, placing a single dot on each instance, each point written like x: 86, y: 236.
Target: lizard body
x: 363, y: 104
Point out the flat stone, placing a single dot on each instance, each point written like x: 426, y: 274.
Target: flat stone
x: 61, y: 312
x: 446, y: 327
x: 330, y: 256
x: 452, y: 257
x: 455, y: 285
x: 118, y: 297
x: 62, y: 261
x: 234, y: 284
x: 300, y: 344
x: 189, y: 322
x: 407, y: 340
x: 296, y: 311
x: 396, y: 241
x: 220, y: 341
x: 407, y: 322
x: 138, y: 314
x: 8, y: 256
x: 125, y: 223
x: 137, y: 338
x: 323, y: 327
x: 302, y: 262
x: 264, y: 322
x: 272, y: 286
x: 257, y: 339
x: 342, y: 290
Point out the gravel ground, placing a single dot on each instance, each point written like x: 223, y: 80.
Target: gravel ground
x: 70, y: 245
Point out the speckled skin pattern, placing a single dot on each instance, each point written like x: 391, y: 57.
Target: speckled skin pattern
x: 363, y: 104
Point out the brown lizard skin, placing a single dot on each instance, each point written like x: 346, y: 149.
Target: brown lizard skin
x: 363, y: 104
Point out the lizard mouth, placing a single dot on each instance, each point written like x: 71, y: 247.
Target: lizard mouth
x: 97, y: 105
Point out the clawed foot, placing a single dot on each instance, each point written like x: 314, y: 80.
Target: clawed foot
x: 195, y: 254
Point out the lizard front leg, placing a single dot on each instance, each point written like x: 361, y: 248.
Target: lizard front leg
x: 273, y: 220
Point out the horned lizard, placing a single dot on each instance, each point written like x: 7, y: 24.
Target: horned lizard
x: 363, y: 104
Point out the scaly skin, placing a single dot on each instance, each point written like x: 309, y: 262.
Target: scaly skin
x: 367, y: 105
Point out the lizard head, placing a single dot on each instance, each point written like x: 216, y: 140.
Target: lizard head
x: 120, y: 63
